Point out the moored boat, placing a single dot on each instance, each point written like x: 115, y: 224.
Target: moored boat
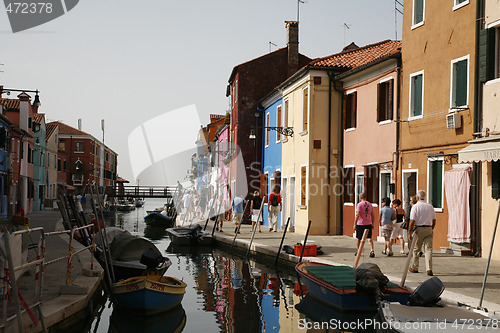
x: 189, y: 236
x: 149, y: 294
x: 159, y: 220
x: 336, y: 286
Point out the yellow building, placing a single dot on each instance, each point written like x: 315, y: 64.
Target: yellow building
x: 485, y: 148
x: 437, y: 113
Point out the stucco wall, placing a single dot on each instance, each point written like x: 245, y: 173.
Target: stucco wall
x: 492, y: 10
x: 491, y: 100
x: 489, y: 212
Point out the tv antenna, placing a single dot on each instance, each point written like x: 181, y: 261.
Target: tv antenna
x: 1, y: 70
x: 270, y: 45
x: 298, y: 7
x: 348, y: 27
x: 398, y: 7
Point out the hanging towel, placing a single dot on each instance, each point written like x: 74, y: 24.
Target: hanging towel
x: 457, y: 187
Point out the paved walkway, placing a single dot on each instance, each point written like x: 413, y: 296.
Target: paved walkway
x: 462, y: 276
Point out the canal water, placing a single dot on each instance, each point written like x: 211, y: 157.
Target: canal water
x: 225, y: 293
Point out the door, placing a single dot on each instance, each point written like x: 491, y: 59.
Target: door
x: 291, y: 207
x: 285, y: 212
x: 409, y: 186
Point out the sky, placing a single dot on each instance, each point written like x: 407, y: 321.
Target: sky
x: 130, y: 62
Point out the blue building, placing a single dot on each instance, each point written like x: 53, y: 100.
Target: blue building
x: 4, y: 165
x: 272, y: 108
x: 39, y: 156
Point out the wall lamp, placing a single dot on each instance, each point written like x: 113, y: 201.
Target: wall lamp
x: 286, y: 131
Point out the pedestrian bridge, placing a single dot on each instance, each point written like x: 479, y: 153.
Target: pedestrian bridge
x: 143, y: 191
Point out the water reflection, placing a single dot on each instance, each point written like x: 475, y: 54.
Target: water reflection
x: 172, y: 321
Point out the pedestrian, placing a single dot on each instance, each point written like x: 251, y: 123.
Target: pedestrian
x: 221, y: 210
x: 387, y: 215
x: 413, y: 201
x: 237, y: 207
x: 398, y: 232
x: 422, y: 221
x: 274, y: 202
x: 364, y: 221
x: 187, y: 201
x: 255, y: 209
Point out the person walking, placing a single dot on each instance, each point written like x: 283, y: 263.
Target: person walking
x: 423, y: 221
x: 387, y: 215
x: 237, y: 207
x: 255, y: 209
x: 221, y: 209
x: 398, y: 232
x: 364, y: 221
x: 274, y: 202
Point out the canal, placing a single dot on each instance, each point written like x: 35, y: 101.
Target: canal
x: 225, y: 293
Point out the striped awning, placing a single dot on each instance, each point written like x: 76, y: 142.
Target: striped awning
x: 480, y: 150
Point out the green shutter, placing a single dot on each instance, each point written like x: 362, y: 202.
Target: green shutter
x: 418, y: 15
x: 436, y: 183
x: 417, y: 95
x: 486, y: 54
x: 495, y: 180
x: 460, y: 83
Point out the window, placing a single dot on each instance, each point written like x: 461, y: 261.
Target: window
x: 495, y: 180
x: 30, y: 160
x: 303, y: 186
x: 360, y: 186
x: 459, y: 82
x: 267, y: 129
x: 278, y: 123
x: 416, y: 94
x: 58, y: 164
x: 236, y: 92
x: 350, y: 101
x: 263, y: 185
x: 48, y: 160
x: 305, y: 108
x: 107, y: 157
x: 277, y: 178
x: 65, y: 166
x: 30, y: 122
x: 349, y: 185
x: 418, y: 13
x: 459, y: 4
x: 79, y: 147
x: 371, y: 183
x: 385, y: 100
x: 285, y: 114
x: 3, y: 138
x: 385, y: 185
x: 435, y: 182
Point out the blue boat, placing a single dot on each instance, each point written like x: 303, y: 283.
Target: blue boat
x: 149, y: 294
x: 157, y: 219
x: 336, y: 286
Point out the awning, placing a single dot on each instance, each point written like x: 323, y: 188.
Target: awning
x: 480, y: 151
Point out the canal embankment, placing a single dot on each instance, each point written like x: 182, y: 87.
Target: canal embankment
x: 462, y: 276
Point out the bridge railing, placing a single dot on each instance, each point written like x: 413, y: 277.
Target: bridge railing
x: 143, y: 191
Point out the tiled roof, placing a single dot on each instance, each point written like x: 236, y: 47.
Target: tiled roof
x: 68, y: 130
x: 10, y: 104
x: 350, y: 59
x: 49, y: 129
x: 121, y: 180
x: 217, y: 116
x: 38, y: 118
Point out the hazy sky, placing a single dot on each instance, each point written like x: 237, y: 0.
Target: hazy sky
x: 130, y: 61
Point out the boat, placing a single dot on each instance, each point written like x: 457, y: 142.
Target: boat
x: 189, y: 236
x: 149, y: 294
x: 138, y: 202
x: 124, y: 207
x: 172, y: 321
x: 126, y: 251
x: 159, y: 220
x: 395, y: 317
x: 336, y: 286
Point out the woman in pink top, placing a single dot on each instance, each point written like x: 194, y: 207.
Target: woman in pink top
x: 364, y: 220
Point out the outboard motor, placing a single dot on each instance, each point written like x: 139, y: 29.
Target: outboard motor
x: 151, y: 259
x: 370, y: 279
x: 427, y: 294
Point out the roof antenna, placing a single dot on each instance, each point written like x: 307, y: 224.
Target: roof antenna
x: 271, y: 44
x: 298, y: 6
x: 1, y: 65
x: 348, y: 27
x: 396, y: 11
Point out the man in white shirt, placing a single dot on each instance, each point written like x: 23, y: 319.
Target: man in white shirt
x: 423, y: 221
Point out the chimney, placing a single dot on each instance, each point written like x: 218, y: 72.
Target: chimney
x: 292, y: 29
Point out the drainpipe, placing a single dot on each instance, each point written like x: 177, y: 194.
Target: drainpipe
x: 341, y: 143
x: 398, y: 117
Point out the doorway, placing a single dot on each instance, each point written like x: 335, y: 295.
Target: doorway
x: 410, y: 185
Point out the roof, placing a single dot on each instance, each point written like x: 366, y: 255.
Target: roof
x: 49, y: 129
x: 217, y: 116
x: 235, y: 68
x: 38, y: 118
x: 68, y: 130
x: 10, y: 104
x: 353, y: 58
x: 121, y: 180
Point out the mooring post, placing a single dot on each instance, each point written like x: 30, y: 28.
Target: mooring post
x: 305, y: 242
x: 360, y: 248
x: 281, y: 244
x: 255, y: 229
x: 237, y: 230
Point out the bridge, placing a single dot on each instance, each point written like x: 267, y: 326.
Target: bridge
x: 122, y: 191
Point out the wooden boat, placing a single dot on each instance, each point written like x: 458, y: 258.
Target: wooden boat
x: 159, y: 220
x: 124, y: 207
x: 336, y: 286
x: 126, y: 252
x: 189, y: 236
x: 149, y: 294
x: 172, y: 321
x: 395, y: 317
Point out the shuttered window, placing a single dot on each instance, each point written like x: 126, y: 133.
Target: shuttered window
x: 416, y: 90
x: 435, y: 186
x: 418, y: 11
x: 350, y: 106
x: 263, y: 186
x: 371, y: 183
x: 267, y: 130
x: 305, y: 109
x: 277, y: 178
x: 459, y: 96
x: 278, y: 122
x: 285, y: 114
x: 385, y: 100
x: 303, y: 186
x: 495, y: 180
x: 349, y: 185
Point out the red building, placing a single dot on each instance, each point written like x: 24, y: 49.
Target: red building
x: 249, y: 83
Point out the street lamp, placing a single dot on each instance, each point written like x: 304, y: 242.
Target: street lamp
x: 286, y: 131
